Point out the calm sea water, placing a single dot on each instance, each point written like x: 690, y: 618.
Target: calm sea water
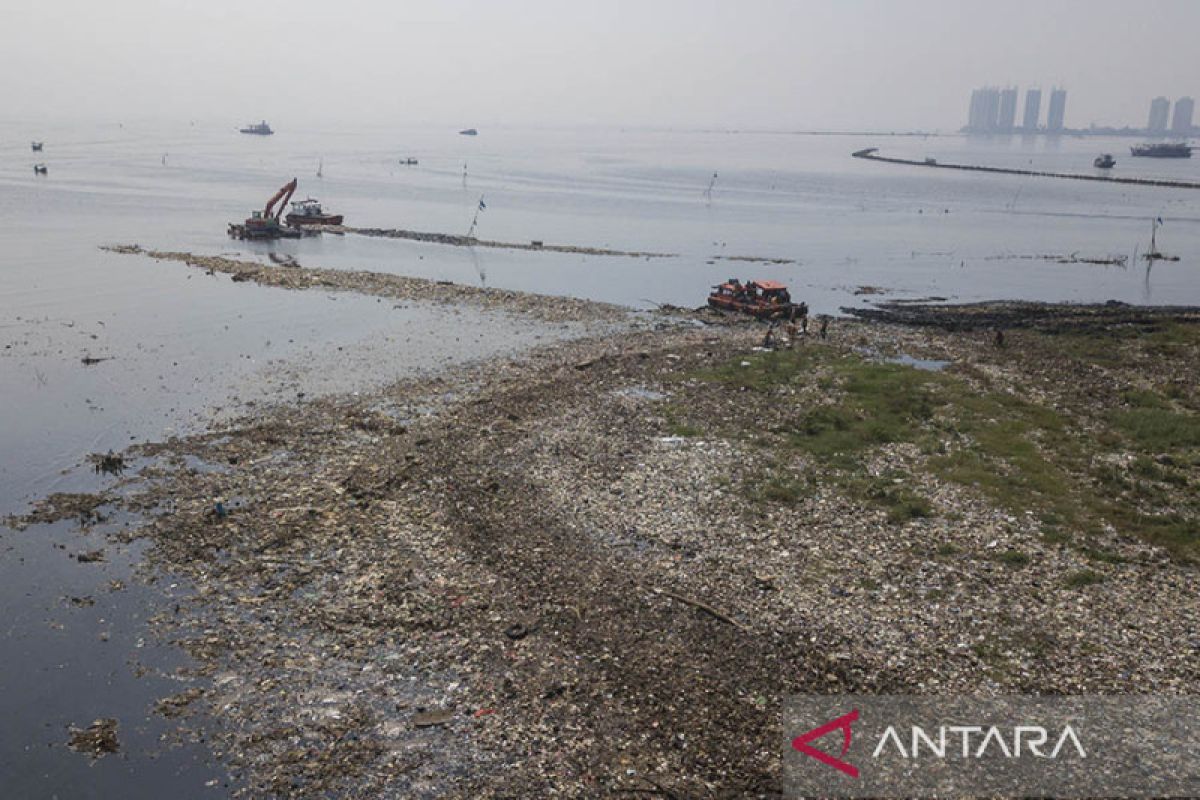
x: 846, y: 222
x: 185, y: 348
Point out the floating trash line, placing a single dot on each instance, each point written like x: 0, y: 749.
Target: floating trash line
x: 471, y: 241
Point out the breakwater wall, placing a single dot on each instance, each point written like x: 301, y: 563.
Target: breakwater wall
x: 872, y: 154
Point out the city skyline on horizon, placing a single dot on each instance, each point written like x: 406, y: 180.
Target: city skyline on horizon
x: 992, y: 109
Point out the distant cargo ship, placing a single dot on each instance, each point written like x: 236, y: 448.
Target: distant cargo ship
x: 261, y: 129
x: 1178, y: 150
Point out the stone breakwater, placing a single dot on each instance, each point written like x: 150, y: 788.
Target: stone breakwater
x: 871, y: 154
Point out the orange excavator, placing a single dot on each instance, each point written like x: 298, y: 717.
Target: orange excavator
x: 265, y: 224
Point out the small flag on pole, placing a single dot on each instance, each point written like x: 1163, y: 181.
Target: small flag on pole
x: 475, y: 221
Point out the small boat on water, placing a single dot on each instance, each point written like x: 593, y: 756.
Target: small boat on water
x: 469, y: 132
x: 40, y: 169
x: 1104, y: 161
x: 261, y: 129
x: 762, y: 299
x: 408, y: 162
x: 310, y: 212
x: 1162, y: 150
x: 36, y: 146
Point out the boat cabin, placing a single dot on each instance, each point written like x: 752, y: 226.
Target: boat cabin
x: 309, y: 207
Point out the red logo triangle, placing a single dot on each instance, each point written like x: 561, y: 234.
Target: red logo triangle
x: 801, y: 743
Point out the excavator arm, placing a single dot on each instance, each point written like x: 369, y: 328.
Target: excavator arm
x: 285, y: 192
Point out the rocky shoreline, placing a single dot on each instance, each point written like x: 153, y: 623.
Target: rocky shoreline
x: 597, y: 570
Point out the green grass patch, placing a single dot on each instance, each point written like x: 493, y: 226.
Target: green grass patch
x: 1082, y: 579
x: 901, y: 503
x: 877, y: 404
x: 678, y: 423
x: 1144, y: 398
x: 862, y: 403
x: 683, y: 429
x: 783, y: 489
x: 1159, y: 429
x: 1104, y: 556
x: 1014, y: 559
x: 1065, y: 463
x: 1176, y: 532
x: 776, y: 483
x: 1052, y: 534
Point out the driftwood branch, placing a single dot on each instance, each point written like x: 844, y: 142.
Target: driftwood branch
x: 705, y: 607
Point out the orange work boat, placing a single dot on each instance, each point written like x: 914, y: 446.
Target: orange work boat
x: 762, y: 299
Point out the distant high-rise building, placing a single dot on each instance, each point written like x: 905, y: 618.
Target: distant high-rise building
x: 984, y: 113
x: 1008, y: 110
x: 1160, y: 109
x: 1033, y: 109
x: 1181, y: 122
x: 975, y: 117
x: 1058, y: 110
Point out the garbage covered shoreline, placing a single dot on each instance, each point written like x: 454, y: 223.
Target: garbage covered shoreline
x: 598, y: 568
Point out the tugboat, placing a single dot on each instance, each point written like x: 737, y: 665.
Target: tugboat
x: 36, y: 146
x: 762, y: 299
x: 309, y: 212
x: 1163, y: 150
x: 261, y: 129
x: 1104, y: 161
x: 40, y: 169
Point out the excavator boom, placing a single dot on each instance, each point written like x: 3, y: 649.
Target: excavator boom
x: 287, y: 189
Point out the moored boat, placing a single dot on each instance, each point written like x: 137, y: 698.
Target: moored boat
x: 310, y: 212
x: 1162, y: 150
x: 763, y: 299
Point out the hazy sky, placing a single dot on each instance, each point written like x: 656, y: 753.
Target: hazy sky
x: 778, y: 64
